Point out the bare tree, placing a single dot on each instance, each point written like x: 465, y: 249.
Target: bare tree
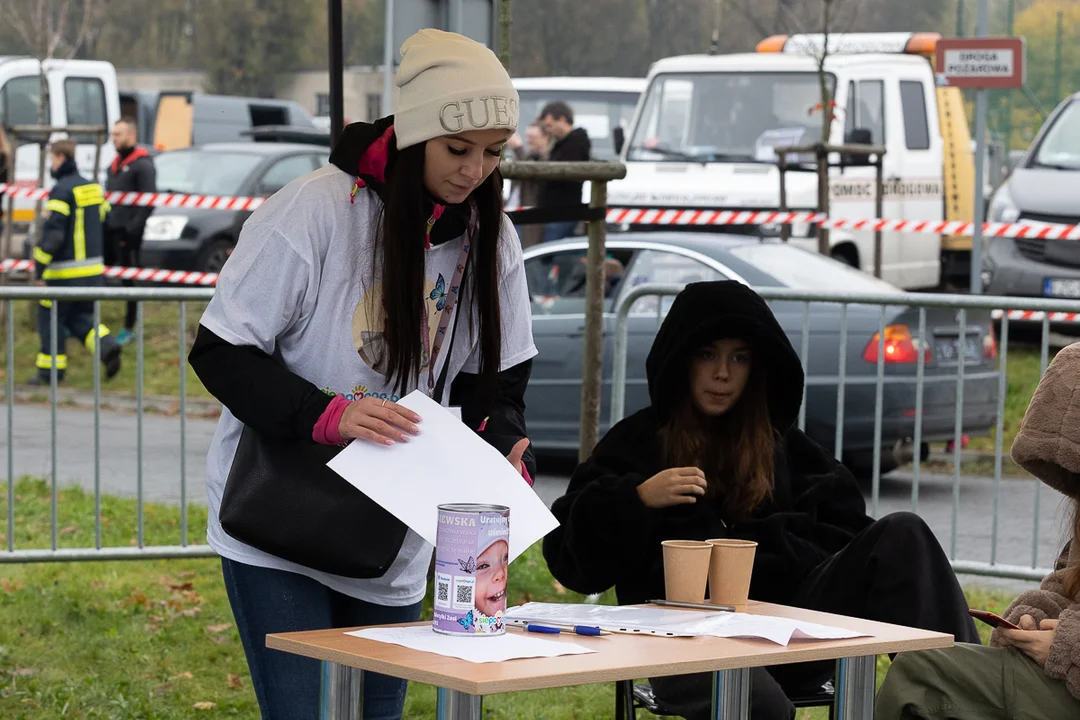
x: 43, y: 27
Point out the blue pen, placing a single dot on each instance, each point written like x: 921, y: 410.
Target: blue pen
x: 577, y: 630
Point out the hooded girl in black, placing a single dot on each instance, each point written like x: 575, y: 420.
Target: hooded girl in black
x: 719, y: 456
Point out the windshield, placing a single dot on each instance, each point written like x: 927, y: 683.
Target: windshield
x: 598, y: 112
x: 1061, y: 146
x: 197, y: 172
x: 804, y: 270
x: 718, y: 117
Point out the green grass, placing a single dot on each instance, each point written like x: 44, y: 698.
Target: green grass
x: 161, y: 351
x: 155, y: 639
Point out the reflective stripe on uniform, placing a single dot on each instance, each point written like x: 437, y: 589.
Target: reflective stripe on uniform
x: 91, y: 336
x: 79, y: 235
x: 41, y: 257
x: 89, y: 194
x: 74, y: 269
x: 44, y: 362
x: 104, y: 210
x: 58, y: 206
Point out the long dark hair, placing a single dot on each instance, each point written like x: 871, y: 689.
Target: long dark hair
x: 735, y: 450
x: 406, y: 210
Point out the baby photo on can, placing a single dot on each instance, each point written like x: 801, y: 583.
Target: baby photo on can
x: 472, y: 557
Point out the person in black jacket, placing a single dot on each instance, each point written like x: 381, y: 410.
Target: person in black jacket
x: 570, y: 145
x: 717, y: 455
x: 132, y: 170
x: 69, y: 254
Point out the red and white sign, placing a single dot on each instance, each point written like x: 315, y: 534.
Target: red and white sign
x: 980, y: 63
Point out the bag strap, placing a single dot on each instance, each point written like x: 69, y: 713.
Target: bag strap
x: 440, y: 384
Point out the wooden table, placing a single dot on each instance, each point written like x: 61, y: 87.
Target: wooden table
x: 463, y: 684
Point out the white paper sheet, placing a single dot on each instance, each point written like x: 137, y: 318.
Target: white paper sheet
x: 670, y: 622
x: 446, y: 463
x: 511, y: 646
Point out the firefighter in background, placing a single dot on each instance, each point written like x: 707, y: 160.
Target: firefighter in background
x: 69, y: 254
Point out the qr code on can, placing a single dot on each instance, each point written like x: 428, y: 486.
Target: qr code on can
x: 442, y: 590
x: 463, y: 593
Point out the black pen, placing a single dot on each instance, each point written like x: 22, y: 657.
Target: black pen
x: 696, y: 606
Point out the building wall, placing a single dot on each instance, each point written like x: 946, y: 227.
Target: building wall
x: 179, y: 80
x: 363, y: 87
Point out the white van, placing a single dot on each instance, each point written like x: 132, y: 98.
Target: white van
x: 81, y: 92
x: 704, y: 132
x: 600, y: 105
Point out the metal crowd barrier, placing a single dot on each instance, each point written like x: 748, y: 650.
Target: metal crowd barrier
x: 96, y: 295
x: 922, y: 301
x: 618, y: 394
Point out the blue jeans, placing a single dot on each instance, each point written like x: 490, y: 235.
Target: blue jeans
x: 559, y: 230
x: 273, y: 601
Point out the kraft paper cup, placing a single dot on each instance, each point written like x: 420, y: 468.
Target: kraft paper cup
x: 730, y: 567
x: 686, y: 569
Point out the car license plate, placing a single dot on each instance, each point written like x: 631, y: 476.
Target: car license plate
x: 1061, y: 287
x: 948, y: 350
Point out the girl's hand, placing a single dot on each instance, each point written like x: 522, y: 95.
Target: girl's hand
x: 677, y: 486
x: 379, y: 421
x: 516, y: 454
x: 1032, y: 640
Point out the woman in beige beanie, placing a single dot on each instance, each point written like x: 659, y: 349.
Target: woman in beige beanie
x: 345, y: 293
x: 1034, y: 672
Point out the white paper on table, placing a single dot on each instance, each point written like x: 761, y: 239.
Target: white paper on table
x: 511, y: 646
x: 446, y: 463
x: 672, y: 622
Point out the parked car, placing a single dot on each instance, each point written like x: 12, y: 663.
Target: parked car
x: 197, y: 239
x: 1040, y: 190
x: 556, y: 277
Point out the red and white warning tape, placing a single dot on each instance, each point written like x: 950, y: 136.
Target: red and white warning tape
x: 180, y: 277
x: 689, y: 216
x: 1036, y: 315
x: 159, y: 200
x: 636, y: 216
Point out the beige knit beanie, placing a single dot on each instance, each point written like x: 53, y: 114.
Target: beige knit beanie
x: 450, y: 84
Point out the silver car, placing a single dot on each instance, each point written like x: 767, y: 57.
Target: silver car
x: 1041, y: 190
x: 556, y: 277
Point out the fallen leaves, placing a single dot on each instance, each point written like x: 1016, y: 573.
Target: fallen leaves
x: 9, y: 586
x: 559, y: 589
x: 183, y: 676
x: 23, y: 672
x: 233, y: 681
x: 205, y: 705
x: 215, y: 629
x: 69, y: 530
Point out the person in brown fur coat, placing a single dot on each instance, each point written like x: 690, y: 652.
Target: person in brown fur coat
x: 1034, y: 672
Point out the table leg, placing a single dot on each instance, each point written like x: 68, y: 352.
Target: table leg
x: 855, y: 680
x: 456, y: 705
x: 731, y: 694
x: 342, y: 696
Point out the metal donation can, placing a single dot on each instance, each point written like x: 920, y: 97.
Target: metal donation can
x: 472, y: 558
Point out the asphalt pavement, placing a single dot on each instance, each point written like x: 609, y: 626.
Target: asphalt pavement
x: 162, y: 464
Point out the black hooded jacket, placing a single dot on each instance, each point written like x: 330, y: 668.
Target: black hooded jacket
x: 235, y: 375
x: 608, y: 537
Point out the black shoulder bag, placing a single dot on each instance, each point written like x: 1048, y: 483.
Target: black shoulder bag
x: 281, y: 498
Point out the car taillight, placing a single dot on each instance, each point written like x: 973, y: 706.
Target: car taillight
x: 990, y: 348
x: 900, y: 346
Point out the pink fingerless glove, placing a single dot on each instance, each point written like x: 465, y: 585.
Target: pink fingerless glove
x: 326, y: 428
